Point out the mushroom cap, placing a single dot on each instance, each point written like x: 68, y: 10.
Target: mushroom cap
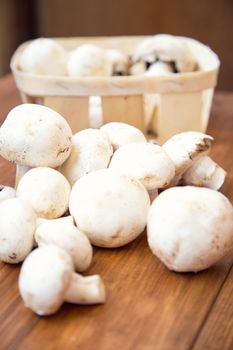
x: 190, y: 228
x: 46, y: 190
x: 146, y: 162
x: 44, y: 56
x: 91, y: 150
x: 185, y: 147
x: 35, y: 135
x: 111, y: 209
x: 44, y: 279
x: 64, y: 234
x: 6, y: 192
x: 167, y: 48
x: 120, y: 134
x: 17, y: 227
x: 88, y: 60
x: 204, y: 172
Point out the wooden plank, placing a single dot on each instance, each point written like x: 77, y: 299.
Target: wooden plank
x: 217, y: 332
x: 127, y: 109
x: 147, y: 307
x: 217, y: 327
x: 74, y: 109
x: 179, y: 111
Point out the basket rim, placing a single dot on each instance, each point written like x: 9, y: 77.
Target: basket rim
x: 40, y: 85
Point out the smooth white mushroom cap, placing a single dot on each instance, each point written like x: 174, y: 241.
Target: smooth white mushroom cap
x: 64, y: 234
x: 120, y: 134
x: 111, y: 209
x: 6, y: 192
x: 190, y: 228
x: 46, y: 190
x: 88, y: 60
x: 17, y: 227
x: 204, y: 172
x: 35, y: 135
x: 183, y: 148
x: 43, y: 56
x: 44, y: 278
x: 146, y: 162
x: 91, y: 150
x: 167, y: 48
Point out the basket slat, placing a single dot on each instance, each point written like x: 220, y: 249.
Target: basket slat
x: 127, y: 109
x: 74, y: 109
x: 180, y: 111
x: 207, y: 102
x: 26, y: 98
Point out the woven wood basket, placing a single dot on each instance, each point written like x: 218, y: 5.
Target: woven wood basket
x: 180, y: 101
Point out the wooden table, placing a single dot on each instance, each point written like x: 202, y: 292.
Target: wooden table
x: 148, y: 307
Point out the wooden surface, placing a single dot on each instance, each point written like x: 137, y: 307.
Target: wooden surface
x: 147, y: 307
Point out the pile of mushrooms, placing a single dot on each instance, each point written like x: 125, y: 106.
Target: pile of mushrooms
x: 103, y: 187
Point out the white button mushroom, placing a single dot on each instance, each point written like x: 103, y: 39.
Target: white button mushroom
x: 119, y: 62
x: 6, y: 192
x: 88, y: 60
x: 111, y: 209
x: 190, y: 228
x: 91, y: 150
x: 120, y: 134
x: 186, y: 147
x: 46, y: 190
x: 64, y: 234
x: 146, y: 162
x: 34, y: 135
x: 166, y: 48
x: 47, y: 279
x: 17, y: 227
x: 204, y: 172
x: 44, y: 56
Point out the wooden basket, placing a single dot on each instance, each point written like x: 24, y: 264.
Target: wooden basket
x: 181, y: 101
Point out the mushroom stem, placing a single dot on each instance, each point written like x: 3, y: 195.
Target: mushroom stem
x: 204, y: 172
x: 20, y: 171
x: 85, y: 290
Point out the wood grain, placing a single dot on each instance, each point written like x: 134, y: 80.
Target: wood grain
x: 147, y: 307
x: 219, y: 323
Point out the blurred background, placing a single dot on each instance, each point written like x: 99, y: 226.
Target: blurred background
x: 210, y: 21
